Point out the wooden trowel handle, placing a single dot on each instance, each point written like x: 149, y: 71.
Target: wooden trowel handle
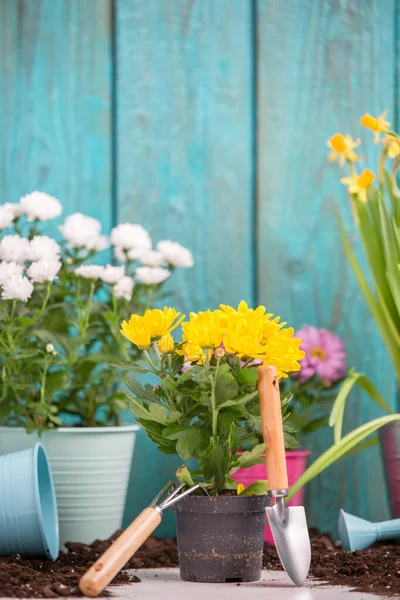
x: 272, y: 427
x: 113, y: 560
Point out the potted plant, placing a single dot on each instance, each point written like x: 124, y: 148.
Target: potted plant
x: 310, y: 393
x: 375, y: 201
x: 202, y: 396
x: 59, y: 314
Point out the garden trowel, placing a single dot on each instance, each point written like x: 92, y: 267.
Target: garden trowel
x: 288, y: 524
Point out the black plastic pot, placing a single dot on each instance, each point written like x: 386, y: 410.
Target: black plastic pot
x: 221, y: 538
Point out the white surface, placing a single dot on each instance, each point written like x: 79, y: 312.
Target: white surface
x: 165, y: 584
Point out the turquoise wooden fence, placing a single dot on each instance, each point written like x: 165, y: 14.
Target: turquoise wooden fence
x: 206, y: 121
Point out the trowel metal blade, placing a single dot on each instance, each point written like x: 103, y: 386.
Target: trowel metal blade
x: 292, y: 541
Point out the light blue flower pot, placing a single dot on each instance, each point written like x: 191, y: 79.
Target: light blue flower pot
x: 28, y: 508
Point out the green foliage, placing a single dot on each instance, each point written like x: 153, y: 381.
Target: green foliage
x: 56, y: 350
x: 202, y: 414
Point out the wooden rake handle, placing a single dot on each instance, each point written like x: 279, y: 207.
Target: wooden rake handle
x: 272, y: 427
x: 113, y: 560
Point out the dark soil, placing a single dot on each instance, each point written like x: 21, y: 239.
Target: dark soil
x: 376, y: 570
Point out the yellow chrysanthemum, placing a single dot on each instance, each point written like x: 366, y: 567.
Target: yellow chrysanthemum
x: 166, y: 344
x: 358, y: 184
x: 377, y: 124
x: 250, y: 333
x: 342, y: 148
x: 202, y: 329
x: 193, y: 352
x: 153, y: 325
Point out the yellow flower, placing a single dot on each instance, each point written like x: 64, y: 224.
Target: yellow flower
x: 239, y: 488
x: 136, y: 332
x: 377, y: 124
x: 153, y: 325
x: 342, y: 148
x: 250, y: 333
x: 358, y: 184
x: 166, y: 344
x: 192, y: 352
x: 202, y: 329
x: 393, y: 146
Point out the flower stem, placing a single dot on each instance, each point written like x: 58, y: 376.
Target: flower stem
x: 46, y: 298
x: 147, y: 355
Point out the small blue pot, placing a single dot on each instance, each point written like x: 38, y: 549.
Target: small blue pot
x: 28, y: 508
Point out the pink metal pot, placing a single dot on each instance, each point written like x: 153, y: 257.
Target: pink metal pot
x: 296, y: 461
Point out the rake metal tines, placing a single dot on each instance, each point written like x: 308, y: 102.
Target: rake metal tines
x: 172, y: 494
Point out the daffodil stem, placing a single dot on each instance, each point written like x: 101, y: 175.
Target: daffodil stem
x: 381, y: 169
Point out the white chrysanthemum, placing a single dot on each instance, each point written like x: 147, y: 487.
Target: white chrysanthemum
x: 43, y: 247
x: 129, y: 235
x: 16, y: 208
x: 90, y: 271
x: 6, y: 217
x: 98, y: 243
x: 14, y: 248
x: 151, y: 258
x: 17, y: 287
x: 112, y: 274
x: 8, y: 269
x: 119, y: 254
x: 82, y: 231
x: 152, y: 275
x: 124, y: 288
x: 175, y: 254
x: 41, y: 206
x: 44, y: 270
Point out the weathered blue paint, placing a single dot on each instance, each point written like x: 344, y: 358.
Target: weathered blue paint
x: 185, y: 169
x: 211, y: 130
x: 55, y: 102
x: 320, y: 66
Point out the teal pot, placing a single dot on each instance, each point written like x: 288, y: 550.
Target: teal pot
x: 91, y: 467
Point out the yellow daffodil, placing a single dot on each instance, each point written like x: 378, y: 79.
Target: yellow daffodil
x: 153, y: 325
x: 358, y: 184
x: 166, y: 344
x: 393, y: 146
x: 239, y: 488
x: 202, y: 329
x: 377, y: 124
x: 342, y: 148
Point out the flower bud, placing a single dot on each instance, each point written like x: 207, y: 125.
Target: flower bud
x: 166, y: 344
x: 219, y: 352
x: 49, y: 348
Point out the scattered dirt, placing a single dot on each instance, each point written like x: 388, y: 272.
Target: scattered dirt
x: 376, y: 570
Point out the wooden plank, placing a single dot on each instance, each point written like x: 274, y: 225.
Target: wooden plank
x: 320, y: 66
x: 184, y: 130
x: 55, y: 102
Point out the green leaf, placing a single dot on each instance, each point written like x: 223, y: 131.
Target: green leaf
x: 127, y: 365
x: 154, y: 412
x: 169, y: 384
x: 183, y: 476
x: 257, y: 488
x: 253, y: 457
x: 186, y: 376
x: 226, y: 388
x: 230, y: 484
x: 339, y: 450
x: 135, y: 387
x: 56, y: 382
x: 240, y: 400
x: 215, y: 463
x: 232, y: 439
x: 337, y: 413
x: 191, y: 441
x: 247, y: 376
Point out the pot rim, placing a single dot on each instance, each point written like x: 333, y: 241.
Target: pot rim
x: 222, y: 504
x: 92, y: 430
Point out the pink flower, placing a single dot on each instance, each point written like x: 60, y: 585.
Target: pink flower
x: 325, y: 355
